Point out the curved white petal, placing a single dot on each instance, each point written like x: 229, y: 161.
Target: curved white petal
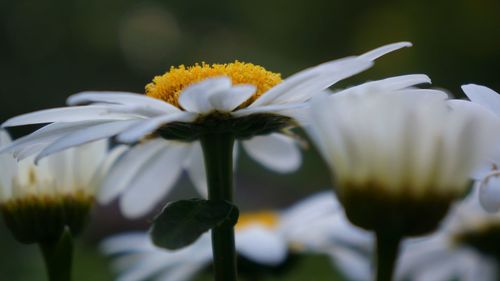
x: 275, y: 151
x: 377, y: 53
x: 195, y: 98
x: 47, y: 134
x: 121, y: 98
x: 195, y: 167
x: 307, y: 83
x: 489, y: 194
x: 86, y: 135
x: 390, y: 84
x: 137, y: 132
x: 153, y: 182
x: 228, y: 100
x: 126, y: 169
x: 67, y: 114
x: 484, y: 96
x: 261, y: 245
x: 4, y: 138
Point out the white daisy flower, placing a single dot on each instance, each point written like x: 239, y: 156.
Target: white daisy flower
x: 38, y: 201
x: 242, y: 99
x: 465, y: 248
x: 314, y: 225
x: 489, y: 175
x: 390, y: 146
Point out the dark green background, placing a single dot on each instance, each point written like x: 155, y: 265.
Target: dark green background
x: 51, y: 49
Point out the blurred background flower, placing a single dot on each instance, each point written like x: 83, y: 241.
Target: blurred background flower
x: 51, y: 49
x: 465, y: 248
x: 269, y: 244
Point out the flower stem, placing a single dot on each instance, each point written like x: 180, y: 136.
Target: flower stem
x: 387, y: 253
x: 58, y: 257
x: 218, y: 155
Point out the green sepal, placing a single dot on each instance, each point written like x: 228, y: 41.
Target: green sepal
x: 182, y: 222
x: 222, y: 123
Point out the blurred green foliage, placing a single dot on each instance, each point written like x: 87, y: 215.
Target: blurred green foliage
x: 52, y: 48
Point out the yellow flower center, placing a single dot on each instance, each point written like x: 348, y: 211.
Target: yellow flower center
x: 168, y: 86
x: 267, y: 219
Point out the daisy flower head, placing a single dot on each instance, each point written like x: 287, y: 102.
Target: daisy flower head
x: 39, y: 201
x: 400, y: 155
x: 464, y: 248
x: 203, y: 102
x: 489, y: 174
x: 265, y: 241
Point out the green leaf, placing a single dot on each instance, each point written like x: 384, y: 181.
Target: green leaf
x: 180, y: 223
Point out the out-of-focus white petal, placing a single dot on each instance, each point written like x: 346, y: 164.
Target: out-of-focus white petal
x: 489, y: 194
x: 121, y: 98
x: 47, y: 135
x: 354, y: 265
x: 148, y: 126
x: 4, y: 138
x: 128, y: 242
x: 183, y: 272
x: 275, y: 151
x: 103, y: 170
x: 261, y: 245
x: 377, y: 53
x: 484, y: 96
x: 195, y: 98
x: 8, y: 168
x: 195, y: 167
x: 66, y: 114
x: 86, y: 135
x: 153, y: 182
x: 126, y: 169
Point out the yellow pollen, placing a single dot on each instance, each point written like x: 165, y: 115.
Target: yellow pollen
x: 267, y: 219
x: 168, y: 86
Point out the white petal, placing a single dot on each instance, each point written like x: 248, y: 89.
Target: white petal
x: 228, y: 100
x: 86, y: 135
x: 128, y: 242
x: 105, y: 166
x: 126, y: 169
x: 195, y: 97
x: 489, y: 194
x: 305, y: 84
x: 352, y: 264
x: 182, y: 272
x: 87, y: 158
x: 195, y: 167
x: 153, y: 182
x: 377, y: 53
x: 121, y: 98
x: 483, y: 96
x: 261, y: 245
x: 135, y: 133
x: 275, y: 151
x: 47, y: 134
x: 4, y: 138
x: 279, y: 109
x: 390, y: 84
x: 66, y: 114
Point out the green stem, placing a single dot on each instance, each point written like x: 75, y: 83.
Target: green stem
x: 218, y: 154
x: 387, y: 252
x: 58, y: 257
